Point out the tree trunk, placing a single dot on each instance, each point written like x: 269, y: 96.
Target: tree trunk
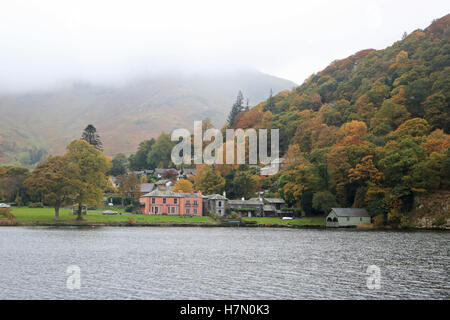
x: 80, y: 208
x: 57, y: 212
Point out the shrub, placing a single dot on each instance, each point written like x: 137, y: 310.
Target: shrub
x: 36, y: 205
x: 215, y: 216
x: 440, y: 221
x: 233, y: 215
x: 378, y: 220
x: 129, y: 208
x: 394, y: 218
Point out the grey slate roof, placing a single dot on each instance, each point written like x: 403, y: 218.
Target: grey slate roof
x: 350, y: 212
x: 169, y: 193
x: 244, y: 202
x: 163, y: 193
x: 147, y: 187
x: 216, y: 197
x: 270, y: 200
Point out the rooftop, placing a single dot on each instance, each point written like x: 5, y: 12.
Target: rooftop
x: 147, y: 187
x: 216, y: 197
x: 350, y: 212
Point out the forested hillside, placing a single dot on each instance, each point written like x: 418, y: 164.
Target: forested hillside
x: 371, y: 130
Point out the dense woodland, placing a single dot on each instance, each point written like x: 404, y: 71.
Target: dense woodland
x: 371, y: 130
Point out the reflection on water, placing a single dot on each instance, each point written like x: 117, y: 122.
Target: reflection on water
x: 222, y: 263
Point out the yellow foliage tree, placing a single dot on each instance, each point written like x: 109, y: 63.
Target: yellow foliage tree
x: 183, y: 185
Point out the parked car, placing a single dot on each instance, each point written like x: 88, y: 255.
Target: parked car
x: 4, y: 205
x: 110, y: 212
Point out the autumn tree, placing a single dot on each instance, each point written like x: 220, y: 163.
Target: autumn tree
x: 416, y: 127
x: 437, y: 112
x: 129, y: 187
x: 51, y: 180
x: 296, y: 180
x: 208, y: 181
x: 88, y: 167
x: 183, y: 185
x: 368, y: 177
x: 388, y: 117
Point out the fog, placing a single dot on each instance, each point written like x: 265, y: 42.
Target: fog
x: 46, y: 43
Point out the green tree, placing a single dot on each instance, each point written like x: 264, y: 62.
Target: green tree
x: 88, y: 167
x: 237, y: 108
x: 323, y: 201
x: 51, y: 181
x: 244, y: 184
x: 12, y: 184
x: 160, y: 154
x: 119, y: 165
x: 138, y: 161
x: 92, y: 137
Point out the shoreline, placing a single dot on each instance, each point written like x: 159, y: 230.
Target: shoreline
x: 207, y: 225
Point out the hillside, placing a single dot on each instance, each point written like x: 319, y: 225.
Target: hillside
x: 44, y: 122
x: 371, y: 130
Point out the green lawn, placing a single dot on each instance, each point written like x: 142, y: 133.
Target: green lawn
x: 47, y: 215
x: 305, y: 221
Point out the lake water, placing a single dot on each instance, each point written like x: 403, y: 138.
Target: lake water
x: 222, y: 263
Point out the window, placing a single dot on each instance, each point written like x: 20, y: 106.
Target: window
x: 348, y: 218
x: 156, y: 210
x: 195, y: 210
x: 360, y: 219
x: 220, y: 203
x: 175, y: 200
x: 195, y: 202
x: 153, y: 200
x: 164, y: 200
x: 188, y: 202
x: 173, y: 209
x: 188, y: 211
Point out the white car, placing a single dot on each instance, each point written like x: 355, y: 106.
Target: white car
x: 4, y: 205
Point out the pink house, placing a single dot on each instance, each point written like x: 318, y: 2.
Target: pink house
x: 166, y: 202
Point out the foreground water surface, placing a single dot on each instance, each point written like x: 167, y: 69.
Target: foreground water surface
x: 222, y: 263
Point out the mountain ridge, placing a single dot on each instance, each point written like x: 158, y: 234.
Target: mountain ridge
x: 123, y: 114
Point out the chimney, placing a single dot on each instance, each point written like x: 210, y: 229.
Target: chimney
x: 225, y: 194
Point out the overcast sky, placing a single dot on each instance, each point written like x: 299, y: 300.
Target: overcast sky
x: 45, y: 42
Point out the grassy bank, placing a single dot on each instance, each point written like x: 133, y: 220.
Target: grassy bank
x: 46, y: 216
x: 26, y: 216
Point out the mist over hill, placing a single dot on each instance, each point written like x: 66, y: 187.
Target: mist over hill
x: 44, y: 122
